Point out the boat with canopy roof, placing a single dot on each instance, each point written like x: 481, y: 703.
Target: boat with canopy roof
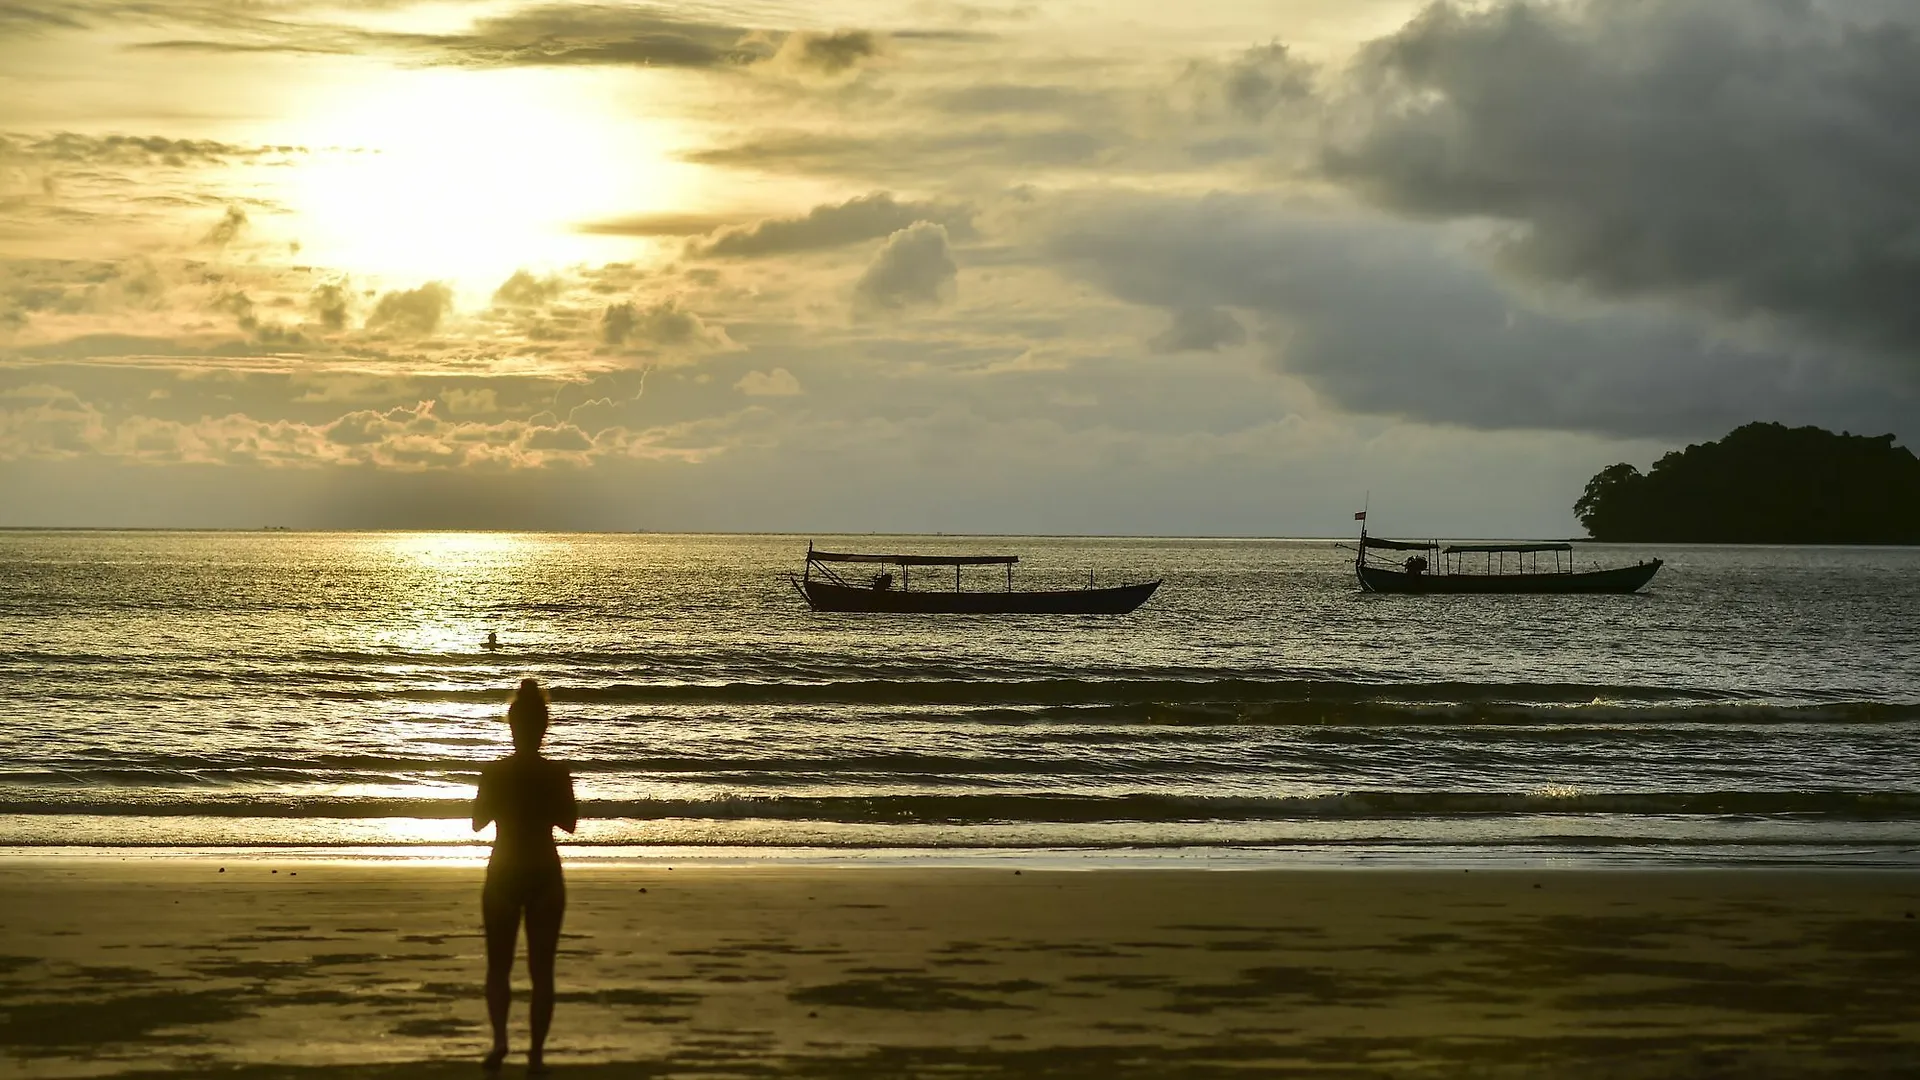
x: 1486, y: 568
x: 826, y: 588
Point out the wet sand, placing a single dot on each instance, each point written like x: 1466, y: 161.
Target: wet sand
x: 289, y: 968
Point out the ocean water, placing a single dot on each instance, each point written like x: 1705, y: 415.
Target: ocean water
x: 181, y: 691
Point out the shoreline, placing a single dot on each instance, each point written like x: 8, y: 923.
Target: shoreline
x: 1828, y: 858
x: 286, y: 966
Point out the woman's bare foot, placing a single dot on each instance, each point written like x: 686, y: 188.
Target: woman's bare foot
x: 494, y: 1058
x: 536, y: 1063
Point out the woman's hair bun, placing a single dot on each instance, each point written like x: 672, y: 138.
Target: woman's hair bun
x: 530, y: 700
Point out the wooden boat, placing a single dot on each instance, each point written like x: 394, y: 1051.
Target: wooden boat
x: 826, y: 590
x: 1450, y: 569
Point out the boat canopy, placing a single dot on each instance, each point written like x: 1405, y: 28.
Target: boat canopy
x: 1457, y: 549
x: 1395, y: 545
x: 915, y: 560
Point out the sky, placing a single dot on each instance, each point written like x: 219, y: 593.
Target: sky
x: 1017, y: 266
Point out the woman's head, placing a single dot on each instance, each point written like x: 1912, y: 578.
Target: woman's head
x: 527, y: 715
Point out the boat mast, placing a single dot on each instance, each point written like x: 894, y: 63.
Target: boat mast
x: 1360, y: 556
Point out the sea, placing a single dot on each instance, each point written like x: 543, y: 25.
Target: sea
x: 332, y: 693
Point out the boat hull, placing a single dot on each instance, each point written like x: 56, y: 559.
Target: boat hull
x: 1621, y: 579
x: 827, y: 596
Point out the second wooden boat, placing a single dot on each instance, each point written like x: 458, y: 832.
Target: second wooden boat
x: 1457, y: 568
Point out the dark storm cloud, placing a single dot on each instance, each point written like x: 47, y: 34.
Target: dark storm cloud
x: 1400, y: 320
x: 1757, y: 159
x: 864, y: 217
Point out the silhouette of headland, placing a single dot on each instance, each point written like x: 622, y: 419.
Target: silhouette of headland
x: 1763, y: 484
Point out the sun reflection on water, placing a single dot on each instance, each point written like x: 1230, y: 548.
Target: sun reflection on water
x: 462, y: 549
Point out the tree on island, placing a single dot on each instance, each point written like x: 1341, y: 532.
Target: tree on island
x: 1763, y: 484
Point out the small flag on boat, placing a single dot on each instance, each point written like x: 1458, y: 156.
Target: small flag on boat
x: 1361, y: 516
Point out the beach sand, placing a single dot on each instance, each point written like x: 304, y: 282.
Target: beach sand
x: 323, y: 969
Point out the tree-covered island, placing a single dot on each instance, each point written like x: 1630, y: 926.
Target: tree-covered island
x: 1763, y: 484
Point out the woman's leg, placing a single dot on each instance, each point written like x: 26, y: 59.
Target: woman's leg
x: 501, y: 913
x: 545, y: 908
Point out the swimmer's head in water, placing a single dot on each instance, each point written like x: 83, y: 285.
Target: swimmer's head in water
x: 527, y: 715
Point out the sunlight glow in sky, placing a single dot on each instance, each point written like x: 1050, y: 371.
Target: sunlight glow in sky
x: 966, y: 267
x: 465, y: 177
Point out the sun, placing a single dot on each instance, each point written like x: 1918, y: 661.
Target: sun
x: 465, y: 176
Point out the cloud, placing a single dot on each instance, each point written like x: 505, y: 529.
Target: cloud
x: 111, y: 346
x: 912, y: 157
x: 559, y: 34
x: 71, y: 148
x: 239, y: 305
x: 228, y: 228
x: 914, y: 269
x: 545, y: 35
x: 826, y: 53
x: 1254, y: 83
x: 482, y: 402
x: 30, y: 17
x: 1012, y: 98
x: 864, y: 217
x: 1403, y: 320
x: 776, y: 383
x: 1200, y: 329
x: 330, y: 303
x: 656, y: 225
x: 662, y: 323
x: 617, y: 322
x: 201, y: 45
x: 525, y: 290
x: 48, y: 422
x: 564, y: 437
x: 412, y: 311
x: 1752, y: 159
x: 68, y: 287
x: 416, y: 437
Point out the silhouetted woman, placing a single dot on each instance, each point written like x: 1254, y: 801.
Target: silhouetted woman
x: 526, y: 795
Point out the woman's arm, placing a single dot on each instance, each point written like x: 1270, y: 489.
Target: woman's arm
x: 569, y: 816
x: 482, y: 802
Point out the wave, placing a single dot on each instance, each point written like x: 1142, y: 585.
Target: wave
x: 1224, y: 702
x: 1005, y: 808
x: 1132, y: 703
x: 1202, y: 700
x: 1060, y: 692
